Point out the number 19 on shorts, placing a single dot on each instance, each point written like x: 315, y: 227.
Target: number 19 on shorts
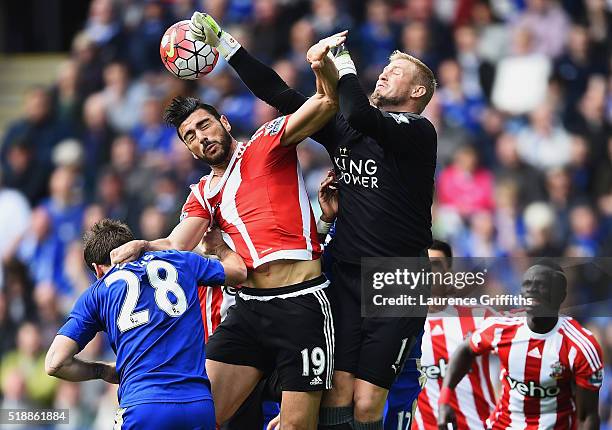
x: 314, y: 360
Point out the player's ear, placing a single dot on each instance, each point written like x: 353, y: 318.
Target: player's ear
x: 98, y: 270
x: 226, y: 125
x: 418, y: 91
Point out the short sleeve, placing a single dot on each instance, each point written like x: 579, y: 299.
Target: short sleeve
x: 207, y: 271
x: 193, y: 206
x: 483, y: 339
x: 268, y: 137
x: 83, y: 322
x: 588, y: 364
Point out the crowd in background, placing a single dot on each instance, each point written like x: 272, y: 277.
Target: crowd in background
x: 523, y: 111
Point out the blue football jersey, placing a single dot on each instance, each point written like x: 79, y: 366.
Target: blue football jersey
x: 151, y: 312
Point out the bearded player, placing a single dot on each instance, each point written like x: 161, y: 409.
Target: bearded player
x: 384, y: 154
x: 256, y: 195
x: 551, y: 367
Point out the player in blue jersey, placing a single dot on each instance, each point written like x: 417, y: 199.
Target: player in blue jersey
x: 150, y: 310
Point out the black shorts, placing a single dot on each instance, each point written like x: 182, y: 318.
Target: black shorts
x: 372, y: 349
x: 289, y: 329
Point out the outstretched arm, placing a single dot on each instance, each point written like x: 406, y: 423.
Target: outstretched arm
x: 319, y: 108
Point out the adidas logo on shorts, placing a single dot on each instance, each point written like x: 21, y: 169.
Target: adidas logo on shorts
x: 316, y: 381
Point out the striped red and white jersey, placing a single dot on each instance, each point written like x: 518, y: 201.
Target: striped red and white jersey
x: 474, y: 397
x: 260, y: 203
x: 214, y: 303
x: 538, y: 371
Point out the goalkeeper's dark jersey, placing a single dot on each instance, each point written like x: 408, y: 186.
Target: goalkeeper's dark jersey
x: 385, y: 163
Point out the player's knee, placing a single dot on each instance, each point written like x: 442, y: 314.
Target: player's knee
x: 367, y: 407
x: 342, y: 392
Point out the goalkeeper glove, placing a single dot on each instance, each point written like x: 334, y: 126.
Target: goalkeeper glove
x: 343, y: 61
x: 205, y: 29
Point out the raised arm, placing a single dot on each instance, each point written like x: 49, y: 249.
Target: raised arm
x: 322, y: 106
x: 262, y: 80
x: 185, y: 237
x: 233, y: 264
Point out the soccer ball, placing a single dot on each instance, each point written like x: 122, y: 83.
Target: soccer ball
x: 185, y: 57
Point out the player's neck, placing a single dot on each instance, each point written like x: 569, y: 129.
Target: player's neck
x: 541, y: 324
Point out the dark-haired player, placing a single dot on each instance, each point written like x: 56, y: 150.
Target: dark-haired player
x: 551, y: 367
x: 256, y: 195
x: 384, y: 154
x: 145, y: 307
x: 445, y: 329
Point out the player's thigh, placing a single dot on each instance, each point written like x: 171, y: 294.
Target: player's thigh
x: 385, y: 346
x: 345, y: 296
x: 300, y: 410
x: 230, y: 385
x: 249, y: 415
x: 301, y: 335
x: 196, y: 415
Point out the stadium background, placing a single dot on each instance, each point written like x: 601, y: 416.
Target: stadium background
x: 523, y: 112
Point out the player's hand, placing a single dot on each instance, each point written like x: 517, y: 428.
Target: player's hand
x: 318, y: 51
x: 128, y: 252
x: 328, y: 197
x: 110, y: 374
x: 446, y: 417
x: 212, y: 241
x: 205, y: 29
x: 274, y: 423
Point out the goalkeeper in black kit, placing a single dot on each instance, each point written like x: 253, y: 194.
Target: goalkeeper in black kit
x: 384, y: 155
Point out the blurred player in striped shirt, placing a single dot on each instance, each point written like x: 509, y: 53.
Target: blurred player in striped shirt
x: 445, y: 329
x: 551, y: 367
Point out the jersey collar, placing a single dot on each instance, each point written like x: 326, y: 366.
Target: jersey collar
x: 208, y: 192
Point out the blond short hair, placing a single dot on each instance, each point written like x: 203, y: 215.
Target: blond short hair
x: 424, y: 76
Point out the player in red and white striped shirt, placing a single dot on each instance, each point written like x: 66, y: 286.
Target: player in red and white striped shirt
x: 445, y: 329
x: 551, y: 367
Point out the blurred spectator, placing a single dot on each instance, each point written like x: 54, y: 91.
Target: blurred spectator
x: 96, y: 137
x: 585, y: 234
x: 114, y: 200
x: 539, y: 221
x: 14, y: 394
x: 479, y: 239
x: 41, y: 250
x: 90, y: 66
x: 548, y: 24
x: 377, y: 38
x: 18, y: 292
x: 464, y: 186
x: 29, y: 360
x: 544, y: 143
x: 23, y: 172
x: 460, y: 110
x: 104, y: 28
x: 270, y: 28
x: 127, y: 162
x: 65, y: 95
x: 7, y: 327
x: 153, y: 138
x: 327, y: 19
x: 153, y: 224
x: 50, y: 316
x: 521, y: 80
x: 69, y: 396
x: 477, y: 74
x: 511, y: 168
x: 14, y: 219
x: 493, y: 35
x: 301, y: 38
x: 144, y: 41
x: 415, y: 40
x: 123, y: 98
x: 38, y: 126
